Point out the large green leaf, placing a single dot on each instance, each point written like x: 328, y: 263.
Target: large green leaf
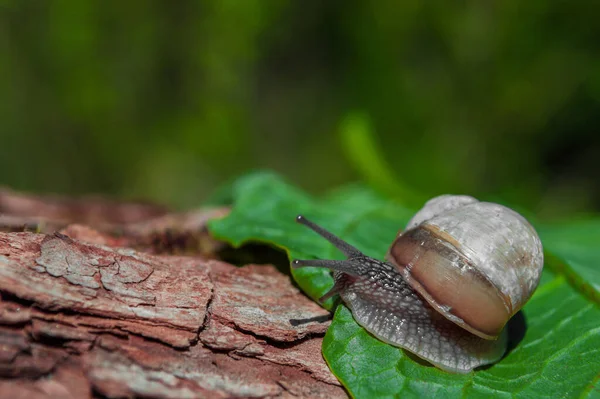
x: 559, y: 355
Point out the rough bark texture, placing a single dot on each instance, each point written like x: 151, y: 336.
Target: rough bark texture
x: 81, y: 316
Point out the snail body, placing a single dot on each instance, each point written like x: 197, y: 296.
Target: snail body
x: 450, y: 282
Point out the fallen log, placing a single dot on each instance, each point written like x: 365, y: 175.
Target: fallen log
x: 81, y: 316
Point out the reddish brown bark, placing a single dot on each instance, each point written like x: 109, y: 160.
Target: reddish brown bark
x: 91, y: 210
x: 81, y: 317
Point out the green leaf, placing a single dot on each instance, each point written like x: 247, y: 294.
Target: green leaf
x: 559, y: 355
x: 577, y: 244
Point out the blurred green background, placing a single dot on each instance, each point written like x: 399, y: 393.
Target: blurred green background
x: 166, y: 100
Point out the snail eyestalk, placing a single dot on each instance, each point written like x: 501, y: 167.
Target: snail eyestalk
x: 340, y: 244
x: 344, y: 266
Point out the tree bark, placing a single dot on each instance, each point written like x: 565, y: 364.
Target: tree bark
x: 83, y: 316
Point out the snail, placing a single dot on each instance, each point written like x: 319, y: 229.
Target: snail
x: 451, y: 281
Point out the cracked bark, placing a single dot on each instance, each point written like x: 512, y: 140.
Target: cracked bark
x: 82, y: 315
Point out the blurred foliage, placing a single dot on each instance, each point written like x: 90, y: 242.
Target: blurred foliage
x: 166, y: 99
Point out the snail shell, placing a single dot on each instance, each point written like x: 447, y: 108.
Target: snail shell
x: 454, y: 277
x: 488, y: 254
